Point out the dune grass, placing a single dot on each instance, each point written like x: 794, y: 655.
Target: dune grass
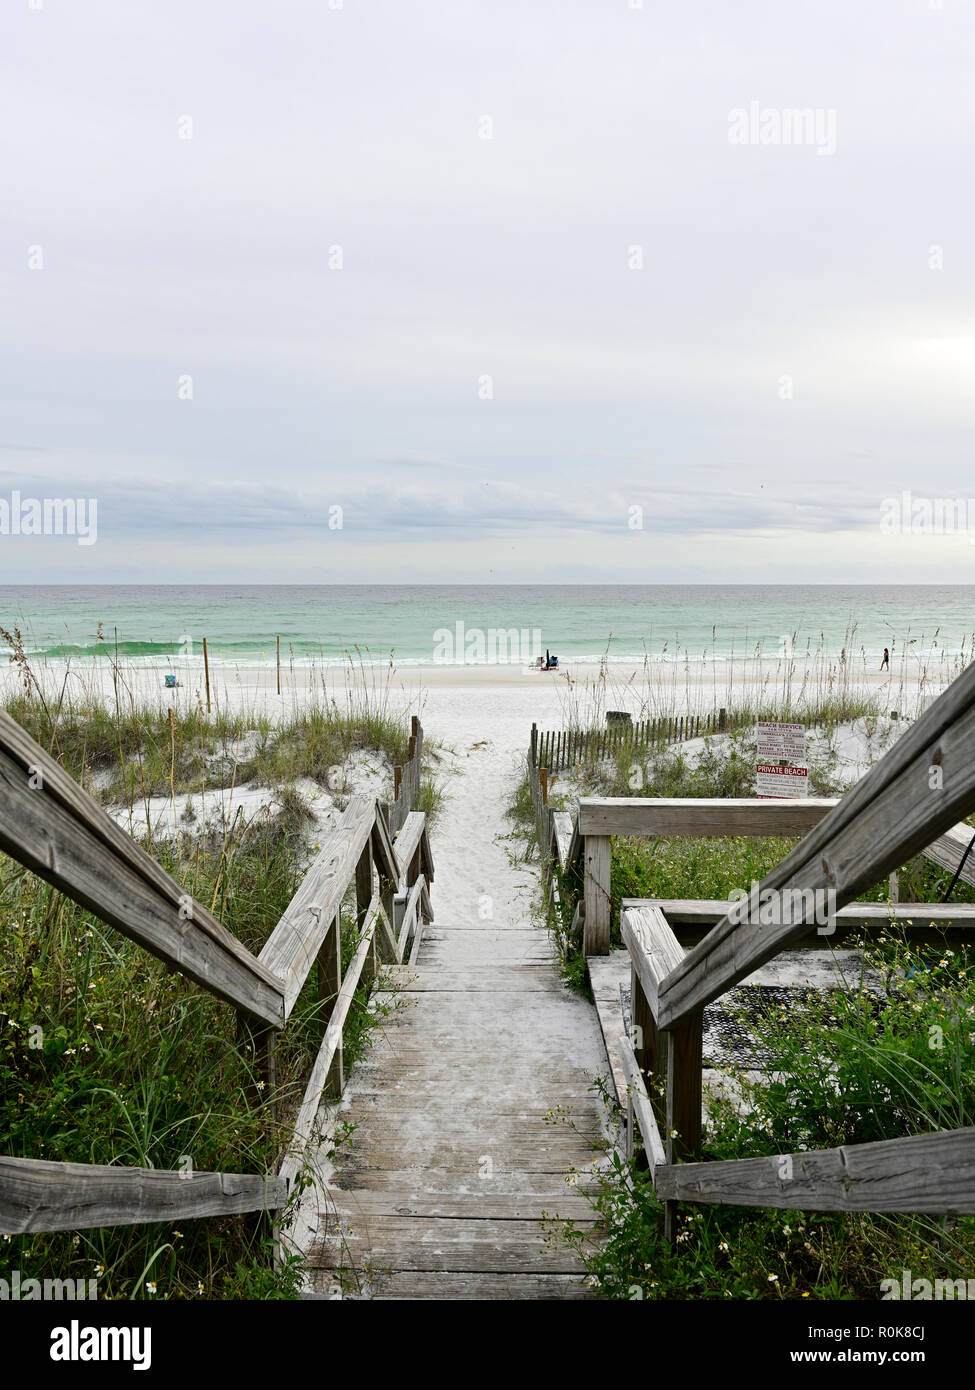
x: 845, y: 1069
x: 108, y: 1057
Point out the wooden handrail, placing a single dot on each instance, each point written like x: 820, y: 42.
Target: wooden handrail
x: 291, y: 949
x: 700, y: 816
x: 932, y: 1173
x: 37, y: 1195
x: 705, y: 912
x: 917, y: 791
x: 303, y: 1132
x: 914, y: 794
x: 412, y: 843
x: 51, y: 825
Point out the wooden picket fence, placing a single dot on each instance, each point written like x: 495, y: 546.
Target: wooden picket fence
x: 556, y: 749
x: 406, y: 779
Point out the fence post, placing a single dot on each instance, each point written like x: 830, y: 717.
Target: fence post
x: 363, y: 897
x: 261, y: 1038
x: 534, y: 745
x: 722, y: 720
x: 684, y: 1045
x: 597, y: 857
x: 329, y: 984
x: 543, y: 783
x: 646, y: 1048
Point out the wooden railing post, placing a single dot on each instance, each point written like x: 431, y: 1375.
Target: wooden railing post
x: 387, y: 896
x: 645, y: 1042
x: 682, y: 1137
x: 363, y: 897
x: 597, y: 857
x: 329, y: 984
x: 259, y: 1040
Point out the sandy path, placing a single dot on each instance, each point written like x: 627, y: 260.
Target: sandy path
x: 476, y: 880
x: 458, y: 1155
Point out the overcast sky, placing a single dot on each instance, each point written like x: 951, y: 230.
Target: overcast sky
x: 260, y: 259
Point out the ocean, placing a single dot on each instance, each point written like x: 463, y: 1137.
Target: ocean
x: 427, y: 624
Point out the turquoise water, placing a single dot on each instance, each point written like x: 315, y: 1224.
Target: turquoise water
x: 580, y: 623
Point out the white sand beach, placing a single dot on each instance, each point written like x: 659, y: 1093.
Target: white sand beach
x: 477, y: 722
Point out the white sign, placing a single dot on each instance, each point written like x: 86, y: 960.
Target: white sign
x: 781, y: 772
x: 781, y: 782
x: 777, y: 741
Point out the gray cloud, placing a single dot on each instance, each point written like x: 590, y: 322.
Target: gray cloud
x: 464, y: 259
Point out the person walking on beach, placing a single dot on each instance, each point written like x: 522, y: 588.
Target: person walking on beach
x: 885, y: 664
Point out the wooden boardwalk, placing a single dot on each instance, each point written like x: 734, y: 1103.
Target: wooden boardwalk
x: 462, y: 1145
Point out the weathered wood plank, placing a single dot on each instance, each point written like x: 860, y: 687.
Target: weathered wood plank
x: 653, y: 947
x: 386, y: 934
x: 561, y: 835
x: 417, y: 944
x: 923, y: 1173
x: 486, y: 1286
x: 637, y: 1095
x: 409, y: 920
x: 304, y: 1128
x: 37, y: 1195
x: 574, y: 853
x: 57, y: 831
x: 413, y: 836
x: 705, y: 912
x: 684, y: 1044
x: 426, y: 906
x: 524, y: 1146
x: 330, y: 984
x: 473, y: 979
x: 292, y: 947
x: 948, y: 850
x: 384, y: 853
x: 891, y: 814
x: 595, y: 931
x: 443, y: 1244
x: 699, y: 816
x: 484, y: 946
x: 546, y: 1183
x: 567, y: 1203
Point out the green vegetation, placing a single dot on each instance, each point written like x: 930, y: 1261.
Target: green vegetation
x: 846, y: 1068
x: 142, y: 751
x: 108, y: 1057
x: 693, y: 868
